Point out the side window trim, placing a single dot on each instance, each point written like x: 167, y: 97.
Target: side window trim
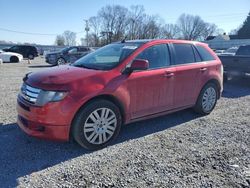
x: 162, y: 67
x: 174, y: 55
x: 203, y: 60
x: 195, y: 51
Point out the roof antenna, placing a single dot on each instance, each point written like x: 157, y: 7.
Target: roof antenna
x: 124, y: 40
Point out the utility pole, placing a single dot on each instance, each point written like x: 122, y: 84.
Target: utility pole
x: 87, y: 31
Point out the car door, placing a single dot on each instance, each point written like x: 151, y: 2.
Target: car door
x: 72, y: 55
x: 188, y: 73
x: 151, y: 91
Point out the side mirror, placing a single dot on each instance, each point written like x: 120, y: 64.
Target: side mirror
x: 137, y: 64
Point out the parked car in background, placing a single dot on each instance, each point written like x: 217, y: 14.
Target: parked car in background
x: 27, y: 51
x: 230, y: 51
x: 218, y: 52
x: 67, y: 55
x: 118, y: 84
x: 237, y: 65
x: 10, y: 57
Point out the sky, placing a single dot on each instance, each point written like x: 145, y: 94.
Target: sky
x: 55, y: 16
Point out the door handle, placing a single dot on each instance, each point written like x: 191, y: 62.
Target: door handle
x: 169, y: 74
x: 203, y: 69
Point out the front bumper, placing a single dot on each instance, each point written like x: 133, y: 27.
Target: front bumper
x: 49, y: 122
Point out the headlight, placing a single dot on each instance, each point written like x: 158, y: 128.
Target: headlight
x: 50, y: 96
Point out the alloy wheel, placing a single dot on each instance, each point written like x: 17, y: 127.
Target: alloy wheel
x: 100, y: 126
x: 209, y: 99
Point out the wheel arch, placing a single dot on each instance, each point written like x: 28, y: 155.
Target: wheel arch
x: 216, y: 82
x: 14, y: 57
x: 107, y: 97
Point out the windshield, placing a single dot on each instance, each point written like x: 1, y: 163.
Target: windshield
x: 107, y: 57
x: 65, y: 49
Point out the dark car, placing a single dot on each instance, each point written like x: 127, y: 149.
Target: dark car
x: 67, y: 55
x: 237, y: 65
x: 27, y: 51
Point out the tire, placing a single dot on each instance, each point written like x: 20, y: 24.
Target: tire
x: 87, y: 127
x: 31, y: 56
x: 207, y: 99
x: 61, y: 61
x: 14, y: 59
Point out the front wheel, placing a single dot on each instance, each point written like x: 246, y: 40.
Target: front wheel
x: 14, y: 59
x: 61, y: 61
x: 97, y: 124
x: 207, y: 99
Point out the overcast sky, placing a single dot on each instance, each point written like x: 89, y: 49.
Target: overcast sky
x: 55, y: 16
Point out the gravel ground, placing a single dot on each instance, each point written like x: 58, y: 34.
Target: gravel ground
x: 178, y: 150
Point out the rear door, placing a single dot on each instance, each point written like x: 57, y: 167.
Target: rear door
x: 188, y: 74
x: 151, y: 91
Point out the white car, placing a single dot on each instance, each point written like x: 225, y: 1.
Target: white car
x: 10, y: 57
x: 230, y: 51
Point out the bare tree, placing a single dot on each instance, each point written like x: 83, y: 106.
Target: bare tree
x: 169, y: 31
x: 135, y: 21
x: 150, y: 28
x: 193, y: 27
x: 70, y: 38
x: 95, y: 29
x: 60, y: 40
x: 113, y: 20
x: 209, y: 30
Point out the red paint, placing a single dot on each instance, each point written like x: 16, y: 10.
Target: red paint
x: 142, y: 94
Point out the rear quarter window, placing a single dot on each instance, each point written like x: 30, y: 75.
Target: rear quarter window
x: 204, y: 53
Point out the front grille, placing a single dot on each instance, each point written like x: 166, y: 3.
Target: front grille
x: 29, y: 93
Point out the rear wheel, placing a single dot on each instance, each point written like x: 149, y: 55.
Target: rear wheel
x: 97, y: 124
x: 207, y: 99
x: 14, y: 59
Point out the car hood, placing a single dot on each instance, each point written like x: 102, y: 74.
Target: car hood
x: 11, y: 53
x: 59, y: 78
x: 54, y: 53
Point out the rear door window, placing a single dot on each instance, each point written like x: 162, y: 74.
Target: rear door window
x: 184, y: 54
x: 204, y: 53
x: 157, y: 56
x: 82, y: 49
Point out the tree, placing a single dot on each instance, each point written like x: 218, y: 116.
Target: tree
x: 95, y: 28
x: 69, y: 37
x: 150, y: 28
x: 169, y: 31
x: 194, y: 28
x: 209, y: 30
x: 113, y: 19
x: 244, y: 31
x: 135, y: 18
x: 60, y: 40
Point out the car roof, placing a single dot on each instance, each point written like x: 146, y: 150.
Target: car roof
x: 144, y: 41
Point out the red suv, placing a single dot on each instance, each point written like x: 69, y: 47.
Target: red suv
x: 117, y: 84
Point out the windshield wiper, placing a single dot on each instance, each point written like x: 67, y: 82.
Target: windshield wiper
x: 86, y: 67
